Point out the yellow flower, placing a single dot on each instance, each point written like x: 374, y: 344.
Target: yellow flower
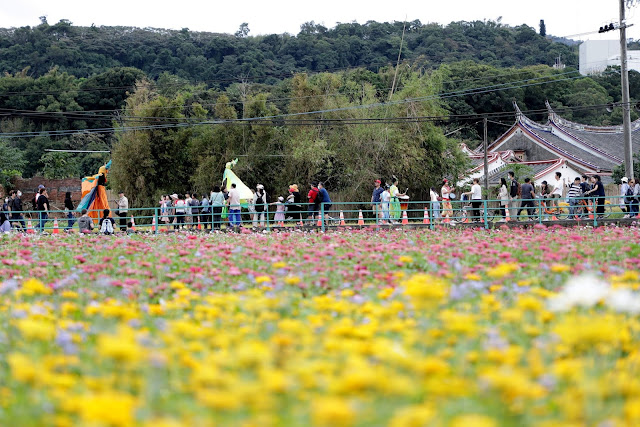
x: 119, y: 348
x: 412, y: 416
x: 263, y: 279
x: 291, y: 280
x: 472, y: 276
x: 405, y: 259
x: 560, y: 268
x: 331, y: 412
x: 108, y: 408
x: 177, y: 285
x: 423, y: 288
x: 279, y: 264
x: 22, y: 369
x: 473, y: 420
x: 34, y: 287
x: 218, y: 400
x: 502, y: 270
x: 35, y: 329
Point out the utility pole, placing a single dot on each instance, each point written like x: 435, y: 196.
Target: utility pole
x: 626, y: 105
x: 486, y: 162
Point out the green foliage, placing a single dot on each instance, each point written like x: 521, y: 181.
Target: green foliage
x: 11, y: 163
x: 59, y: 165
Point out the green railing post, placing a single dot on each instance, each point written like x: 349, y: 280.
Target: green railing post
x: 322, y: 216
x: 595, y: 212
x: 539, y: 211
x: 266, y: 210
x: 486, y: 222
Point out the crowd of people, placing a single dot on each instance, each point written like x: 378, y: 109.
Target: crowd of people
x: 210, y: 211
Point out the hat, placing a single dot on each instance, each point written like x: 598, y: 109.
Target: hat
x: 293, y: 187
x: 625, y: 179
x: 281, y: 199
x: 174, y: 196
x: 260, y: 187
x: 445, y: 180
x: 377, y: 181
x: 40, y: 186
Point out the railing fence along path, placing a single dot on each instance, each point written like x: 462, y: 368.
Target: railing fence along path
x: 485, y: 214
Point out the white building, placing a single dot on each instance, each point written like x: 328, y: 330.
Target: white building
x: 597, y: 55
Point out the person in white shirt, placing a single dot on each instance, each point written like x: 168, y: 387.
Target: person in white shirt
x: 188, y: 211
x: 476, y: 199
x: 385, y: 200
x: 624, y: 204
x: 445, y: 192
x: 557, y: 190
x: 435, y: 204
x: 123, y: 209
x: 234, y: 206
x: 503, y: 195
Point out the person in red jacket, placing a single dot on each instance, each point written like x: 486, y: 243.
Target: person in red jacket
x: 313, y: 199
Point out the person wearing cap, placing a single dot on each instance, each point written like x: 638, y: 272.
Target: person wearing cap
x: 375, y: 198
x: 624, y: 204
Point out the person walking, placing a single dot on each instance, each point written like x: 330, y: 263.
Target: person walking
x: 253, y: 215
x: 557, y: 191
x: 445, y: 193
x: 69, y: 209
x: 476, y: 199
x: 217, y: 202
x: 375, y: 198
x: 395, y: 210
x: 635, y: 199
x: 205, y: 213
x: 43, y: 208
x: 194, y: 205
x: 312, y: 198
x: 435, y: 204
x: 324, y: 200
x: 234, y: 207
x: 165, y: 211
x: 279, y: 216
x: 260, y: 200
x: 624, y: 188
x: 528, y: 195
x: 385, y: 204
x: 597, y: 190
x: 574, y: 194
x: 514, y: 192
x: 503, y: 195
x: 15, y: 206
x: 295, y: 203
x: 123, y: 210
x: 181, y: 211
x: 188, y: 214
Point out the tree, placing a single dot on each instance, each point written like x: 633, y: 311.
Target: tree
x: 243, y: 31
x: 11, y: 163
x: 543, y: 28
x: 59, y: 165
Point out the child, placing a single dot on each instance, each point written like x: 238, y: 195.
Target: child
x: 279, y: 217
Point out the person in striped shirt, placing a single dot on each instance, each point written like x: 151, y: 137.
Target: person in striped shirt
x: 575, y: 191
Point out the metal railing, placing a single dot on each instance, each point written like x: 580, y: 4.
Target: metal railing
x: 481, y: 213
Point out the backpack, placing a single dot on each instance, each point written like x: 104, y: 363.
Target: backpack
x: 260, y: 202
x: 107, y: 226
x: 629, y: 192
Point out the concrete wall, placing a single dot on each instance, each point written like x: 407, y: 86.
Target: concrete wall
x: 596, y: 55
x: 533, y: 151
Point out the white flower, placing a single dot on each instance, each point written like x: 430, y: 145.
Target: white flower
x: 586, y: 291
x: 624, y: 301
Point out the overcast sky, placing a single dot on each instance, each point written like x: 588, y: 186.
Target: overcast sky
x: 562, y: 17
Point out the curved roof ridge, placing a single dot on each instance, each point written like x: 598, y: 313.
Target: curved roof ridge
x: 582, y: 141
x: 561, y: 121
x: 526, y: 120
x: 555, y: 147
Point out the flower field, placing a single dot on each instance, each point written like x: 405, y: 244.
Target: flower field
x: 447, y: 328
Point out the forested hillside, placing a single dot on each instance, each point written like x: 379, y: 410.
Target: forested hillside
x: 221, y: 59
x: 171, y: 124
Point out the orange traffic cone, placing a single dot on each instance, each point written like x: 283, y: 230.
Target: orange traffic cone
x: 199, y: 224
x: 360, y: 218
x: 405, y: 220
x: 301, y: 224
x: 281, y: 224
x: 319, y: 222
x: 554, y: 217
x: 133, y: 224
x: 342, y: 219
x: 55, y: 227
x: 153, y: 225
x: 507, y: 214
x: 425, y: 219
x: 465, y: 220
x: 30, y: 229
